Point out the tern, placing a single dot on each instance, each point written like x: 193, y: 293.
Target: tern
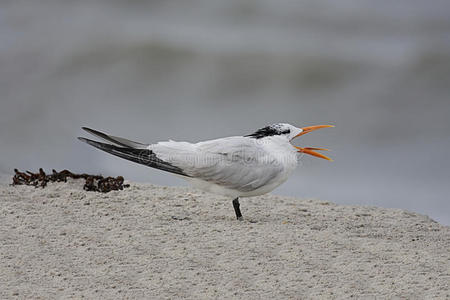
x: 235, y: 167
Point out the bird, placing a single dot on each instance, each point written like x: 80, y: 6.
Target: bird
x: 234, y: 167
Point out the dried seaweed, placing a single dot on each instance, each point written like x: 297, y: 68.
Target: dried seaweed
x: 96, y: 183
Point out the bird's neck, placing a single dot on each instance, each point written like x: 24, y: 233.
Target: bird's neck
x: 279, y: 144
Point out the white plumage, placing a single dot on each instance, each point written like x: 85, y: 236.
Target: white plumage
x: 238, y: 166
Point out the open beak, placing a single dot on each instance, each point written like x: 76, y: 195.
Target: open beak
x: 310, y: 150
x: 312, y: 128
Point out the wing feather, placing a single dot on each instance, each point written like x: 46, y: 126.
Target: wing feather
x: 141, y: 156
x: 237, y: 163
x: 115, y: 139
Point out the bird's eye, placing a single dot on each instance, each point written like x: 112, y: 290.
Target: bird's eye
x: 287, y: 131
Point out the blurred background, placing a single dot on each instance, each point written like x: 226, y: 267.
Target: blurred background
x: 203, y: 69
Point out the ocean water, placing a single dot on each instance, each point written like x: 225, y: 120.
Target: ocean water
x: 195, y: 70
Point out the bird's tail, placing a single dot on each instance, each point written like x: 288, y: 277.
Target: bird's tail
x: 133, y: 151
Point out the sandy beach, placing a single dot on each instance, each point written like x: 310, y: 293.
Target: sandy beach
x: 169, y: 242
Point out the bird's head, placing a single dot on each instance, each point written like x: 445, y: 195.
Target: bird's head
x: 291, y: 132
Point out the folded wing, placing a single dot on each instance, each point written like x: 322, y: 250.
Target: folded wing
x: 235, y: 162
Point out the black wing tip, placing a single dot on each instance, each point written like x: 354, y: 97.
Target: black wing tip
x: 140, y: 156
x: 112, y: 139
x: 90, y: 142
x: 90, y: 130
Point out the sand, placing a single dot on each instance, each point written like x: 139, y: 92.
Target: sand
x: 167, y: 242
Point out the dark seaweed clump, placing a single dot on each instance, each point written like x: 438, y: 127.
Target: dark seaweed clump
x: 95, y: 183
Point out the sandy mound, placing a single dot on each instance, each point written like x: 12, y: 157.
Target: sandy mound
x: 160, y: 242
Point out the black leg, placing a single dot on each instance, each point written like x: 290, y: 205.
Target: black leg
x: 237, y: 210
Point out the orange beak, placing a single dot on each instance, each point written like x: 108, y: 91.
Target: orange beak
x: 312, y: 128
x: 309, y: 150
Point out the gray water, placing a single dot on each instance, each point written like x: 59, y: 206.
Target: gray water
x: 195, y: 70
